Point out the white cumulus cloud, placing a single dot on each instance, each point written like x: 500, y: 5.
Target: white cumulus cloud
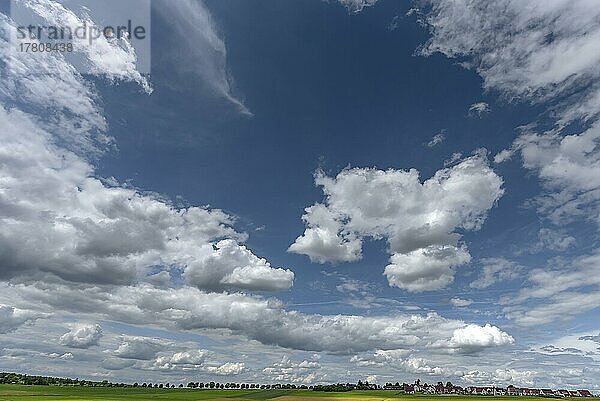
x: 139, y: 347
x: 459, y: 302
x: 473, y: 338
x: 181, y: 359
x: 82, y: 336
x: 425, y: 269
x: 12, y: 318
x: 227, y: 369
x: 419, y: 220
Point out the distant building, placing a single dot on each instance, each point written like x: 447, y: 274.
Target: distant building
x: 408, y: 388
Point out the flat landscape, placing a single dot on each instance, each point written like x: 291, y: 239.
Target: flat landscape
x: 56, y: 393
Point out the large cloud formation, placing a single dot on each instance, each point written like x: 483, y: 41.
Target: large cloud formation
x: 80, y: 228
x: 264, y: 320
x: 107, y: 234
x: 419, y: 220
x: 535, y: 49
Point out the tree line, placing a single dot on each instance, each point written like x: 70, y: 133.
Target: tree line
x: 17, y: 378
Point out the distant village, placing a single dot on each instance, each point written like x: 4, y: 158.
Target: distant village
x: 511, y: 390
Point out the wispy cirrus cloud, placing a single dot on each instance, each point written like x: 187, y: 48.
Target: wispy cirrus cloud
x: 356, y: 6
x: 557, y: 292
x: 196, y: 29
x: 479, y: 109
x: 495, y: 270
x: 437, y: 139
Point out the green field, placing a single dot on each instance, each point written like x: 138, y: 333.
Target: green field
x: 55, y: 393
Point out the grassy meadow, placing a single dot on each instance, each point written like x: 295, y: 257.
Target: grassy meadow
x: 11, y: 392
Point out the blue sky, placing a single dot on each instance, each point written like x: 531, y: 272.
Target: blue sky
x: 451, y: 174
x: 329, y: 103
